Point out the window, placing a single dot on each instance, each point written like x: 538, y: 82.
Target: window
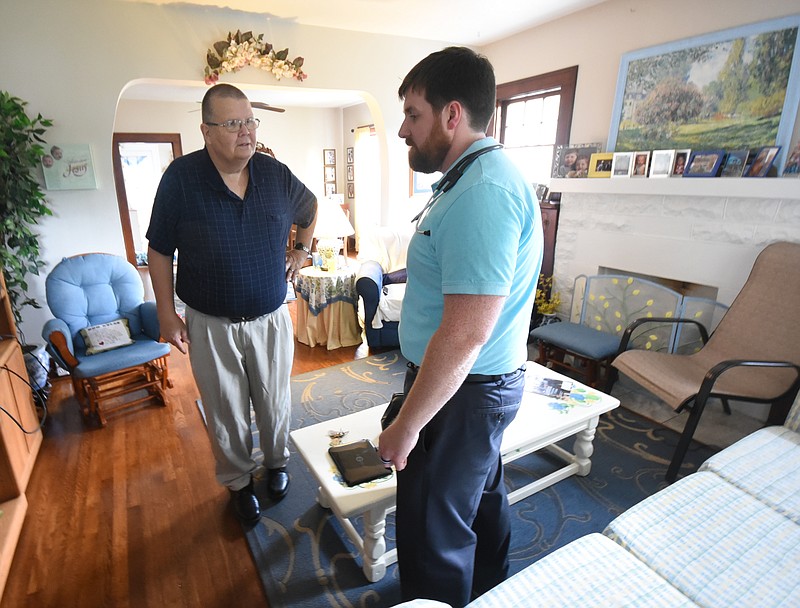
x: 532, y: 116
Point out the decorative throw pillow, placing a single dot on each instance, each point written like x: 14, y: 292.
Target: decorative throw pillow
x: 103, y: 337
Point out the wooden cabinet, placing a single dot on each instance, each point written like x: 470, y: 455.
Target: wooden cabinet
x: 18, y: 450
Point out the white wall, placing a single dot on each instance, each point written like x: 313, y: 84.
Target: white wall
x: 71, y: 60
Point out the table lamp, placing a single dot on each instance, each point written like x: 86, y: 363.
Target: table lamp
x: 332, y: 223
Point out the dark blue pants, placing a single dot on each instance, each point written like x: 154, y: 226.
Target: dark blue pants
x: 453, y: 526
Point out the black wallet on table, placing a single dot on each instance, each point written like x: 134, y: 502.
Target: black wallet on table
x: 359, y: 462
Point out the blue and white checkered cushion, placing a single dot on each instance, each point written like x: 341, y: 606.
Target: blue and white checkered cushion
x: 764, y: 464
x: 715, y: 543
x: 590, y: 571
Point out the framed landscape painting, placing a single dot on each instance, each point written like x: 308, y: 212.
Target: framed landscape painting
x: 732, y: 89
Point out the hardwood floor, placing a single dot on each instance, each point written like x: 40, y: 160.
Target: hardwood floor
x: 131, y: 515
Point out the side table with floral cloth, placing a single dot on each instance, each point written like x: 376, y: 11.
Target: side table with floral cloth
x: 326, y: 307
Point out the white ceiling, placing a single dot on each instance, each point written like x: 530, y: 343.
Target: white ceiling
x: 470, y: 22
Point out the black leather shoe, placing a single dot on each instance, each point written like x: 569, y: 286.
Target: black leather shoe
x: 277, y: 483
x: 246, y: 505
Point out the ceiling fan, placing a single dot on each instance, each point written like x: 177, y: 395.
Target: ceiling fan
x: 265, y: 106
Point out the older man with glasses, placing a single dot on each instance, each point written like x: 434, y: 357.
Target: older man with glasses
x: 227, y: 212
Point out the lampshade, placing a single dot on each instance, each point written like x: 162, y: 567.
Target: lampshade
x: 332, y: 223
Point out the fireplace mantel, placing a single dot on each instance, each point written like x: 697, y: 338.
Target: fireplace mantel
x: 706, y: 231
x: 750, y: 187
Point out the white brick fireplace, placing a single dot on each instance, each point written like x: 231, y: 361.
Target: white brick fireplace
x: 705, y: 231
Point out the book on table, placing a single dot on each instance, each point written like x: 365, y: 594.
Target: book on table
x: 358, y: 462
x: 549, y: 387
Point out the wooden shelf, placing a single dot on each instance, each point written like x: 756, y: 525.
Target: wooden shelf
x: 12, y: 514
x: 18, y: 450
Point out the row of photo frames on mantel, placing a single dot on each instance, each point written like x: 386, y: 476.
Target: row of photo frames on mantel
x: 584, y: 161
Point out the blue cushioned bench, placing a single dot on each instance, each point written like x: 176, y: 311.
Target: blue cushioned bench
x: 608, y: 304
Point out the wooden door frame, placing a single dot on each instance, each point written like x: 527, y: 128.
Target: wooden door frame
x: 119, y: 178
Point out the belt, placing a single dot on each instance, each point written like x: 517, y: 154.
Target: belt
x: 243, y: 319
x: 477, y: 378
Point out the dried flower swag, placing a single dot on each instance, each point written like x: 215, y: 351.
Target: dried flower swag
x: 243, y: 49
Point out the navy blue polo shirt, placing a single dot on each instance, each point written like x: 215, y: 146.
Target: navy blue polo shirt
x: 231, y: 252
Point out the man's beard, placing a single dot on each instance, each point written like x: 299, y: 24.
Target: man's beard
x: 428, y: 157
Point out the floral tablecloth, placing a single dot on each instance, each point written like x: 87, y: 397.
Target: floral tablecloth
x: 326, y: 308
x: 320, y: 288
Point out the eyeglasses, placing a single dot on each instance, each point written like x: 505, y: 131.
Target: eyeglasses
x: 234, y: 125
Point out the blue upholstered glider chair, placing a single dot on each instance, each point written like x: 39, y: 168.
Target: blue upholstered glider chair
x: 105, y: 334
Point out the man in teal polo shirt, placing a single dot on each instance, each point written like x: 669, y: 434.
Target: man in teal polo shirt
x: 473, y: 265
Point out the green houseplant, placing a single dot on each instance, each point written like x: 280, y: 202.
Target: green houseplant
x: 22, y: 201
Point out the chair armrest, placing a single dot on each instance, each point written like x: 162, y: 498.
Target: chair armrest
x: 148, y: 314
x: 369, y: 286
x: 59, y: 343
x: 626, y: 336
x: 372, y: 271
x: 711, y: 377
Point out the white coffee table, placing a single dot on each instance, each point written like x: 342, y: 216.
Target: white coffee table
x: 539, y: 424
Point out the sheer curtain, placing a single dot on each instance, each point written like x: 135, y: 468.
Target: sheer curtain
x: 367, y: 182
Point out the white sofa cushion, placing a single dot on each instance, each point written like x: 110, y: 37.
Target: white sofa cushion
x: 390, y: 304
x: 386, y: 245
x: 764, y: 464
x: 715, y: 543
x: 590, y: 571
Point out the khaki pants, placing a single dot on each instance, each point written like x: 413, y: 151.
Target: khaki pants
x: 234, y: 365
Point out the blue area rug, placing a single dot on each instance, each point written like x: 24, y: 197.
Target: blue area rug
x: 305, y: 558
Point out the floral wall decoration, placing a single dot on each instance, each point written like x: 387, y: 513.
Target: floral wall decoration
x: 243, y: 49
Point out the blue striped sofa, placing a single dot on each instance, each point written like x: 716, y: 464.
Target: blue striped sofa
x: 728, y: 535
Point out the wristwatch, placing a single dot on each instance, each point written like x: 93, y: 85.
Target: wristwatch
x: 301, y: 247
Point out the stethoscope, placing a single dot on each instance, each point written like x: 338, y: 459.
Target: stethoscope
x: 446, y: 183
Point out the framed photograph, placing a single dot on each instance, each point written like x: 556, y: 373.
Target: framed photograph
x: 330, y: 174
x: 621, y: 164
x: 422, y: 183
x: 350, y: 156
x: 687, y: 93
x: 329, y: 156
x: 600, y: 164
x: 351, y: 190
x: 69, y: 167
x: 330, y: 189
x: 661, y: 163
x: 565, y: 159
x: 704, y: 163
x: 763, y: 161
x: 792, y: 168
x: 734, y: 163
x: 641, y: 163
x: 350, y: 174
x: 679, y: 166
